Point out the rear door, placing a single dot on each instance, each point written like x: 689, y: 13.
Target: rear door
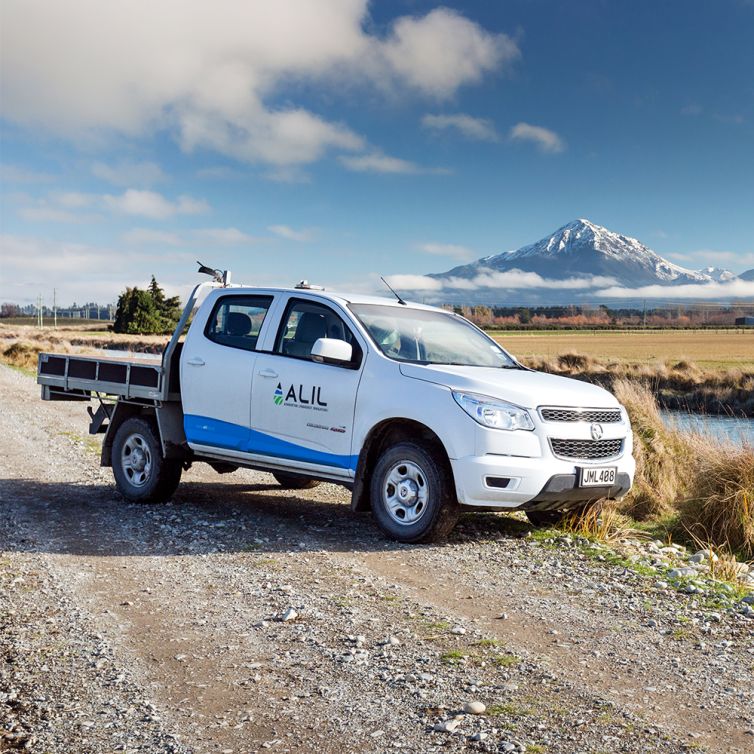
x: 217, y: 366
x: 303, y: 410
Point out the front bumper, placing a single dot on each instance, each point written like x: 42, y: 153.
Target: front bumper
x: 534, y: 483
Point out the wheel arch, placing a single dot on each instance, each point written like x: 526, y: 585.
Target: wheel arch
x: 384, y: 434
x: 121, y: 413
x: 168, y: 422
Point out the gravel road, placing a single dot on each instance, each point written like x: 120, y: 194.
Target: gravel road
x: 243, y: 618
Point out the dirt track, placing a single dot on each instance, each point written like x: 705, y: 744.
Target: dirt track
x: 157, y: 628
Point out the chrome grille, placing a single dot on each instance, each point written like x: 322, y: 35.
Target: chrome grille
x: 600, y: 415
x: 586, y: 450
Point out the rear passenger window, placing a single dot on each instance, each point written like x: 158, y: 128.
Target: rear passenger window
x: 237, y: 320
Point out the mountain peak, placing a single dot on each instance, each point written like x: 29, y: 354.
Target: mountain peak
x: 581, y: 251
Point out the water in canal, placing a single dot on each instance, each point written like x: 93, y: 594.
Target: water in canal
x: 725, y: 427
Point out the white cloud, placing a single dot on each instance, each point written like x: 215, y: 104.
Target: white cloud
x: 127, y: 173
x: 545, y: 139
x: 80, y: 272
x: 215, y: 73
x: 153, y: 205
x: 512, y: 279
x: 65, y: 206
x: 714, y: 291
x: 148, y: 236
x: 376, y: 162
x: 447, y: 250
x: 224, y: 236
x: 521, y: 279
x: 479, y: 129
x: 414, y: 283
x: 59, y: 207
x: 441, y: 51
x: 74, y: 199
x: 291, y: 234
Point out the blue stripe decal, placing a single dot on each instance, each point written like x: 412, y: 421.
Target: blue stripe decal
x: 202, y: 430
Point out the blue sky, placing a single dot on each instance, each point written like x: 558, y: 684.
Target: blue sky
x: 338, y: 141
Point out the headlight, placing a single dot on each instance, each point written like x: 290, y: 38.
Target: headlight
x: 491, y: 412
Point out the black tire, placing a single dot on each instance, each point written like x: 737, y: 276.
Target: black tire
x: 429, y: 510
x: 293, y: 481
x: 150, y: 478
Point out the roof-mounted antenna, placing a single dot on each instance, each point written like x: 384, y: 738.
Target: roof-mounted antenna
x: 219, y: 276
x: 390, y: 288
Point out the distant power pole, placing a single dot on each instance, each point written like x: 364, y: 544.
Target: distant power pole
x: 55, y: 308
x: 644, y: 315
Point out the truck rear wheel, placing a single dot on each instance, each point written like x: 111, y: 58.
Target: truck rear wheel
x: 293, y: 481
x: 142, y: 474
x: 412, y: 493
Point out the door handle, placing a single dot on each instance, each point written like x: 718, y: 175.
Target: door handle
x: 196, y: 362
x: 267, y: 373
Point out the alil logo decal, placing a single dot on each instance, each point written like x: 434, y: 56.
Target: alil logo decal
x: 300, y: 396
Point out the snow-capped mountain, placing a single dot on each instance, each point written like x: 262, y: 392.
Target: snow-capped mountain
x: 582, y: 250
x: 748, y: 275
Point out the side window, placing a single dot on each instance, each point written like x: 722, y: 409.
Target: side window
x: 304, y: 323
x: 236, y: 321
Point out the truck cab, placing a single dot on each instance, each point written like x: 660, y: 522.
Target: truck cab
x: 412, y: 407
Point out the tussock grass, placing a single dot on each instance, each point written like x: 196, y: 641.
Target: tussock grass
x: 702, y: 487
x: 602, y: 522
x: 720, y: 505
x: 22, y: 354
x: 664, y: 457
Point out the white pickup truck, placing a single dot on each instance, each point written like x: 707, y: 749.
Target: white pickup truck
x: 413, y: 408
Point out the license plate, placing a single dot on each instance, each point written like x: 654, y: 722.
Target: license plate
x: 597, y: 476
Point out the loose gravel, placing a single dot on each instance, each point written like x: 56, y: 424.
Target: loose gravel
x: 242, y: 618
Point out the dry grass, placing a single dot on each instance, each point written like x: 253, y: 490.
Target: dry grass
x: 720, y: 505
x: 664, y: 458
x: 679, y: 384
x: 22, y: 354
x: 602, y: 522
x: 707, y: 487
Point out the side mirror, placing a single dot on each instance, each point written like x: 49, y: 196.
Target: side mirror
x: 332, y: 351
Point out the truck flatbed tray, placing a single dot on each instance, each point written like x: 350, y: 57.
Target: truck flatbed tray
x: 73, y: 377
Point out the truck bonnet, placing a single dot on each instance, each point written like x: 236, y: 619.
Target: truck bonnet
x: 522, y: 387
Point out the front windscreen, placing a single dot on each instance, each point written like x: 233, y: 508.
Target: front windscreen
x: 429, y: 337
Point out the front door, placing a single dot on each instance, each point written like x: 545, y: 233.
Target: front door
x: 303, y: 410
x: 217, y: 366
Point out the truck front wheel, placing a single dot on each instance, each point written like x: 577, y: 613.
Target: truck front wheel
x: 412, y: 493
x: 142, y: 474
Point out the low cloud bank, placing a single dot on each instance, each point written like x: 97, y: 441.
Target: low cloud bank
x: 716, y: 291
x: 512, y: 279
x: 595, y: 285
